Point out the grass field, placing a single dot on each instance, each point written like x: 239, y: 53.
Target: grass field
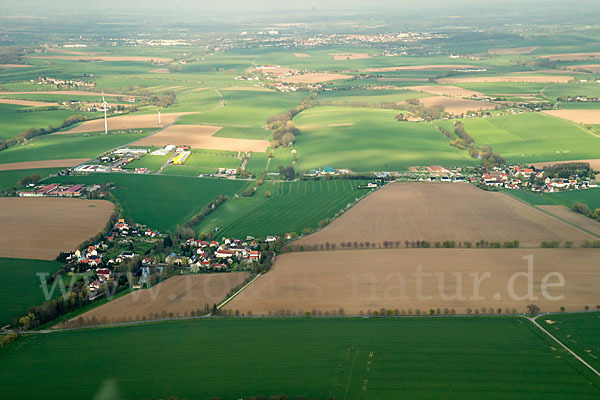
x: 56, y: 147
x: 20, y: 286
x: 292, y: 207
x: 10, y: 179
x: 532, y: 137
x: 161, y: 202
x: 591, y: 197
x: 364, y: 139
x: 13, y: 122
x: 337, y: 358
x: 153, y: 163
x: 577, y: 331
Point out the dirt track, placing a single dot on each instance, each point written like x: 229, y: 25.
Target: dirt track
x: 201, y: 137
x: 126, y: 122
x: 177, y: 295
x: 443, y: 211
x: 40, y: 228
x: 362, y: 280
x: 42, y: 164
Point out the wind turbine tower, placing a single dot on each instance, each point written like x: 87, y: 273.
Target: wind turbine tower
x: 159, y: 118
x: 105, y: 106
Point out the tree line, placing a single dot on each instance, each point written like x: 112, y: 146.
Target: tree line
x: 282, y: 126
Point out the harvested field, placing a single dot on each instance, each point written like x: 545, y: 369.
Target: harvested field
x: 512, y: 50
x: 105, y: 58
x: 578, y: 116
x: 42, y: 164
x: 343, y: 124
x: 26, y: 102
x: 509, y: 78
x: 362, y: 280
x: 349, y: 56
x: 314, y: 78
x: 15, y: 66
x: 159, y: 71
x: 438, y: 212
x: 455, y: 105
x: 419, y: 68
x: 126, y: 122
x: 301, y: 55
x: 572, y: 56
x: 202, y: 137
x: 40, y: 228
x: 564, y: 212
x: 177, y: 295
x: 401, y: 79
x: 451, y: 91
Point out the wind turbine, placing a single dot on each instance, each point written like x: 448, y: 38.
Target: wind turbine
x: 105, y: 106
x: 159, y: 117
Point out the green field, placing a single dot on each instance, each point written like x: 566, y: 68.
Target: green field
x: 161, y: 202
x: 367, y: 97
x: 13, y: 122
x: 9, y: 179
x: 20, y: 286
x: 532, y: 137
x: 577, y: 331
x: 153, y: 163
x: 204, y: 162
x: 292, y: 207
x: 432, y: 358
x: 591, y: 197
x: 372, y: 141
x: 65, y: 146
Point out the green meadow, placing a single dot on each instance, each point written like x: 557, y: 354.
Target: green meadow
x: 20, y: 286
x: 532, y: 137
x: 346, y: 358
x: 9, y: 179
x: 291, y: 207
x: 13, y: 122
x: 591, y: 197
x: 364, y: 139
x: 65, y: 146
x: 161, y: 202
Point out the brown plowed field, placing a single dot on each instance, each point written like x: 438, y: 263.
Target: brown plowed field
x: 177, y: 295
x: 564, y: 212
x: 349, y: 56
x: 452, y: 91
x: 126, y: 122
x: 201, y: 137
x: 443, y: 211
x: 105, y: 58
x: 455, y: 105
x: 67, y: 92
x: 578, y: 116
x: 572, y: 56
x: 71, y: 162
x: 15, y: 66
x: 40, y: 228
x: 314, y: 78
x: 26, y: 102
x: 301, y: 55
x: 419, y: 68
x: 513, y: 50
x: 362, y: 280
x: 508, y: 78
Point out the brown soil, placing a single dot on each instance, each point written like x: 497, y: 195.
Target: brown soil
x: 42, y: 164
x: 201, y: 137
x: 572, y: 56
x: 67, y: 92
x: 589, y: 224
x: 40, y: 228
x: 507, y: 78
x: 452, y: 91
x: 513, y: 50
x: 362, y: 280
x: 177, y: 295
x: 443, y: 211
x: 579, y: 116
x: 126, y: 122
x: 593, y: 68
x: 349, y: 56
x: 455, y: 105
x: 301, y: 55
x: 316, y: 77
x: 105, y: 58
x: 26, y: 102
x: 419, y: 68
x: 15, y: 66
x: 159, y: 71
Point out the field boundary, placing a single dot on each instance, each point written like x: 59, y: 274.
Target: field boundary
x: 238, y: 292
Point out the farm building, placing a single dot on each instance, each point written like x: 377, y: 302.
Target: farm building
x: 181, y: 158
